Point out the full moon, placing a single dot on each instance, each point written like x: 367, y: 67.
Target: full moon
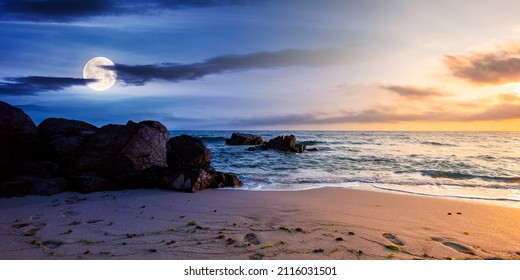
x: 105, y: 78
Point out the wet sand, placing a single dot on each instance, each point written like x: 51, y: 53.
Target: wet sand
x: 232, y: 224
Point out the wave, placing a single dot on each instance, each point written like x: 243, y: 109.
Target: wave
x: 311, y: 142
x: 212, y: 139
x: 463, y: 176
x: 448, y: 195
x: 433, y: 143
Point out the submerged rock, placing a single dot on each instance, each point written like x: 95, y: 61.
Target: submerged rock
x: 244, y: 139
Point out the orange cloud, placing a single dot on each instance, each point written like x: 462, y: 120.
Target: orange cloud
x: 415, y: 92
x: 501, y: 66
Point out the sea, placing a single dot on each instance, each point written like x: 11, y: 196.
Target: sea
x: 477, y: 166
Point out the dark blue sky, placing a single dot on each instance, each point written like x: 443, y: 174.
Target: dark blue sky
x: 253, y: 64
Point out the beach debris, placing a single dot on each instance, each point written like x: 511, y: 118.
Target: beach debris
x: 94, y: 221
x: 268, y: 245
x: 466, y: 233
x: 351, y: 233
x: 171, y: 242
x: 449, y: 213
x: 152, y: 250
x: 459, y: 213
x: 393, y: 247
x: 221, y: 236
x: 104, y: 253
x: 450, y: 258
x: 283, y: 242
x: 86, y: 252
x: 339, y: 238
x: 191, y: 223
x: 69, y: 231
x: 320, y: 250
x: 298, y: 229
x: 256, y: 256
x: 252, y: 238
x: 86, y: 241
x: 54, y: 254
x: 231, y: 241
x: 360, y: 252
x: 391, y: 255
x: 286, y: 228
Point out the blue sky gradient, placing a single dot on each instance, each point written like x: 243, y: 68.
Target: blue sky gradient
x: 263, y: 64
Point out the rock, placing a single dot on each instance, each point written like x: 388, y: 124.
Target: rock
x: 28, y: 185
x: 185, y: 152
x: 312, y: 149
x: 19, y: 140
x: 88, y: 184
x: 56, y: 127
x: 191, y: 180
x: 225, y: 180
x: 281, y: 143
x: 63, y: 137
x: 116, y: 151
x: 244, y: 139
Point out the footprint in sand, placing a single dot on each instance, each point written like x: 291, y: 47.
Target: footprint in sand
x: 392, y: 238
x: 252, y: 238
x: 455, y: 246
x: 52, y: 244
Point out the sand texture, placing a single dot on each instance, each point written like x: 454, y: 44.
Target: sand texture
x: 232, y: 224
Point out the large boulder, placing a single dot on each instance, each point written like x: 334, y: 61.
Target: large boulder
x: 186, y: 152
x: 19, y: 141
x: 116, y: 151
x: 244, y: 139
x: 63, y: 137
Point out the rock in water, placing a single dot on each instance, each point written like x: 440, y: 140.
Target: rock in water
x: 281, y: 143
x: 116, y: 151
x: 185, y: 152
x: 19, y: 140
x: 244, y: 139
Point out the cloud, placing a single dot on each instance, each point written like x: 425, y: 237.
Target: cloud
x: 73, y: 10
x: 501, y: 66
x: 141, y: 74
x: 34, y: 84
x: 415, y: 92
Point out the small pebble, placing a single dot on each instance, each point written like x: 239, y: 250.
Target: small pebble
x: 459, y: 213
x: 339, y: 239
x: 351, y: 233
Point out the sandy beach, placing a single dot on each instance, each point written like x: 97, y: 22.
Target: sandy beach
x: 232, y: 224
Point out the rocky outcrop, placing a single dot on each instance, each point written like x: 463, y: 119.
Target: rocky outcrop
x: 186, y: 152
x: 190, y: 163
x: 281, y: 143
x: 19, y: 140
x: 63, y: 137
x: 62, y: 155
x: 244, y: 139
x: 116, y: 151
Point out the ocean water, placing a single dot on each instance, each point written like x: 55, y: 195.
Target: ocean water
x: 478, y: 166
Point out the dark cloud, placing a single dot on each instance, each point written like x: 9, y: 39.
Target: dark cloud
x: 141, y: 74
x: 415, y: 92
x: 35, y: 84
x: 499, y: 67
x: 72, y: 10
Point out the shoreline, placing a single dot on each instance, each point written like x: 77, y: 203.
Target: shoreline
x: 326, y: 223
